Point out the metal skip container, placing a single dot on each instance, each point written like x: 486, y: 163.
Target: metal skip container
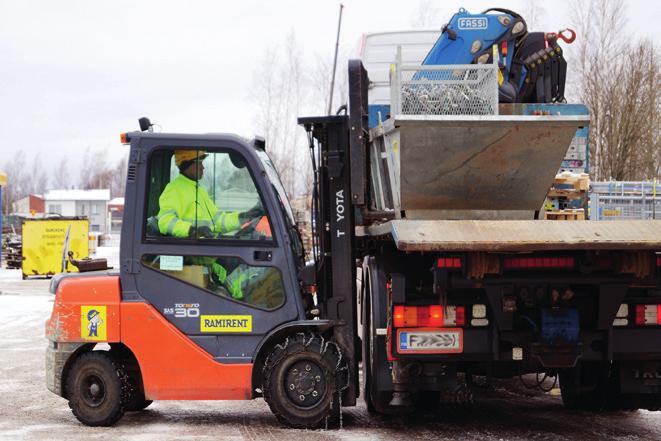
x: 468, y: 166
x: 47, y: 242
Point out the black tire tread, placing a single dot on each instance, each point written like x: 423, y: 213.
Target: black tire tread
x: 118, y: 379
x: 293, y: 345
x: 377, y: 404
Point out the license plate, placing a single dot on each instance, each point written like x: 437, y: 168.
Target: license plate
x: 431, y: 341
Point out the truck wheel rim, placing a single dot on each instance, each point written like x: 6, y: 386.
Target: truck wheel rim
x: 305, y: 383
x: 93, y: 390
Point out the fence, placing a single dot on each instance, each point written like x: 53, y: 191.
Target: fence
x: 625, y: 200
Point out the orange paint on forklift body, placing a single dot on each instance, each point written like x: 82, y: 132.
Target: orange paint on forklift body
x: 172, y: 366
x: 175, y: 368
x: 67, y: 322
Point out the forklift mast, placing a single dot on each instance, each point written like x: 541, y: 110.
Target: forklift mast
x: 338, y: 159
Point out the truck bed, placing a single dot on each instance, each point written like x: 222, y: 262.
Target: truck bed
x: 520, y: 235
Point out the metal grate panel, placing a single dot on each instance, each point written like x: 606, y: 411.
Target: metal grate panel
x: 456, y: 89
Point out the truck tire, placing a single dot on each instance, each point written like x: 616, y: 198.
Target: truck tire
x: 302, y: 381
x: 376, y: 394
x: 95, y: 388
x: 589, y: 386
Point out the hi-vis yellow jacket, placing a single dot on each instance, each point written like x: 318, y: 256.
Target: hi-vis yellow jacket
x: 178, y: 213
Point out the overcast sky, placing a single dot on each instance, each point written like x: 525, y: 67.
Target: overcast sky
x: 74, y: 74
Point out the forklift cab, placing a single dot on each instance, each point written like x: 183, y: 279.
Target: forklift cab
x: 228, y: 288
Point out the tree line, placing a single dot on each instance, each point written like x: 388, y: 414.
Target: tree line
x: 618, y: 79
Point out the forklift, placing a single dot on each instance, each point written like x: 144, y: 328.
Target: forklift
x: 167, y: 327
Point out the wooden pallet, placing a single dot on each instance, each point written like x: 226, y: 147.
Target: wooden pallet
x: 578, y: 181
x: 565, y: 193
x: 573, y: 214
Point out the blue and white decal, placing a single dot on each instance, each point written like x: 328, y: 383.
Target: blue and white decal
x: 403, y: 340
x: 473, y: 23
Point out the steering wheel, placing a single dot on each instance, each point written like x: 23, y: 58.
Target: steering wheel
x: 249, y: 228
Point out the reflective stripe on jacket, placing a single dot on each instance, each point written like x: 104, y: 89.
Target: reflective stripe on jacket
x: 177, y: 211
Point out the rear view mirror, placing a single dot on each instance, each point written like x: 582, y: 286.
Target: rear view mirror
x: 237, y: 160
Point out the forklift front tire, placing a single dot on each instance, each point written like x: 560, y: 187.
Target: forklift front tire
x: 301, y: 379
x: 95, y: 387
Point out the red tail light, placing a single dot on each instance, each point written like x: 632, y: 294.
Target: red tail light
x: 539, y: 262
x: 448, y: 262
x: 418, y: 316
x: 658, y: 260
x: 648, y: 315
x: 455, y: 316
x: 461, y: 316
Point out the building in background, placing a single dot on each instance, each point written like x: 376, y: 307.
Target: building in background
x: 31, y: 204
x: 115, y: 214
x: 92, y: 204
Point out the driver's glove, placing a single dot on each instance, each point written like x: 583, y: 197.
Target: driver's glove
x: 236, y: 282
x: 219, y: 272
x: 253, y: 213
x: 200, y: 232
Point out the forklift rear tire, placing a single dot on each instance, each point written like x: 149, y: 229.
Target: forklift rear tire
x: 95, y: 387
x: 301, y: 377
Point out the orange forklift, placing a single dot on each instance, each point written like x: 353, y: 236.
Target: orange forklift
x: 224, y: 311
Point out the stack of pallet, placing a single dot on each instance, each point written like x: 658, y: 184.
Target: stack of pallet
x: 569, y: 214
x: 301, y: 209
x: 567, y: 198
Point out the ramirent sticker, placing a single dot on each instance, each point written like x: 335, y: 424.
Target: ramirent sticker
x: 93, y: 322
x: 226, y: 323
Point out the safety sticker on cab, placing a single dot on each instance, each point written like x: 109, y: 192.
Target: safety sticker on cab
x: 226, y: 323
x: 93, y: 323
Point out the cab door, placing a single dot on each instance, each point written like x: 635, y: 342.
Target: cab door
x: 211, y: 249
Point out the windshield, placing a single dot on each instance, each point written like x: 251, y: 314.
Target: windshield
x: 274, y: 177
x: 277, y: 184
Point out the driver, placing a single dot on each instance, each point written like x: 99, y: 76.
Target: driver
x: 187, y: 211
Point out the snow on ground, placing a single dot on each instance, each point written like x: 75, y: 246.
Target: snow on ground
x: 111, y: 253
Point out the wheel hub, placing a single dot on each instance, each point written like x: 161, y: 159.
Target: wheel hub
x: 93, y: 390
x: 305, y: 383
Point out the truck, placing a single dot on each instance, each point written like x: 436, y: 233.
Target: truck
x: 430, y: 269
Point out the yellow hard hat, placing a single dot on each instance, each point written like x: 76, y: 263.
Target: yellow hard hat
x: 188, y: 155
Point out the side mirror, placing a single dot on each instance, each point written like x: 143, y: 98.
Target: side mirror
x: 260, y: 143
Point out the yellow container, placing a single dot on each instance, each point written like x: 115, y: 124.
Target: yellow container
x: 47, y: 241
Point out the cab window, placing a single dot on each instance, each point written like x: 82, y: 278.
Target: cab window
x: 195, y: 194
x: 228, y: 277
